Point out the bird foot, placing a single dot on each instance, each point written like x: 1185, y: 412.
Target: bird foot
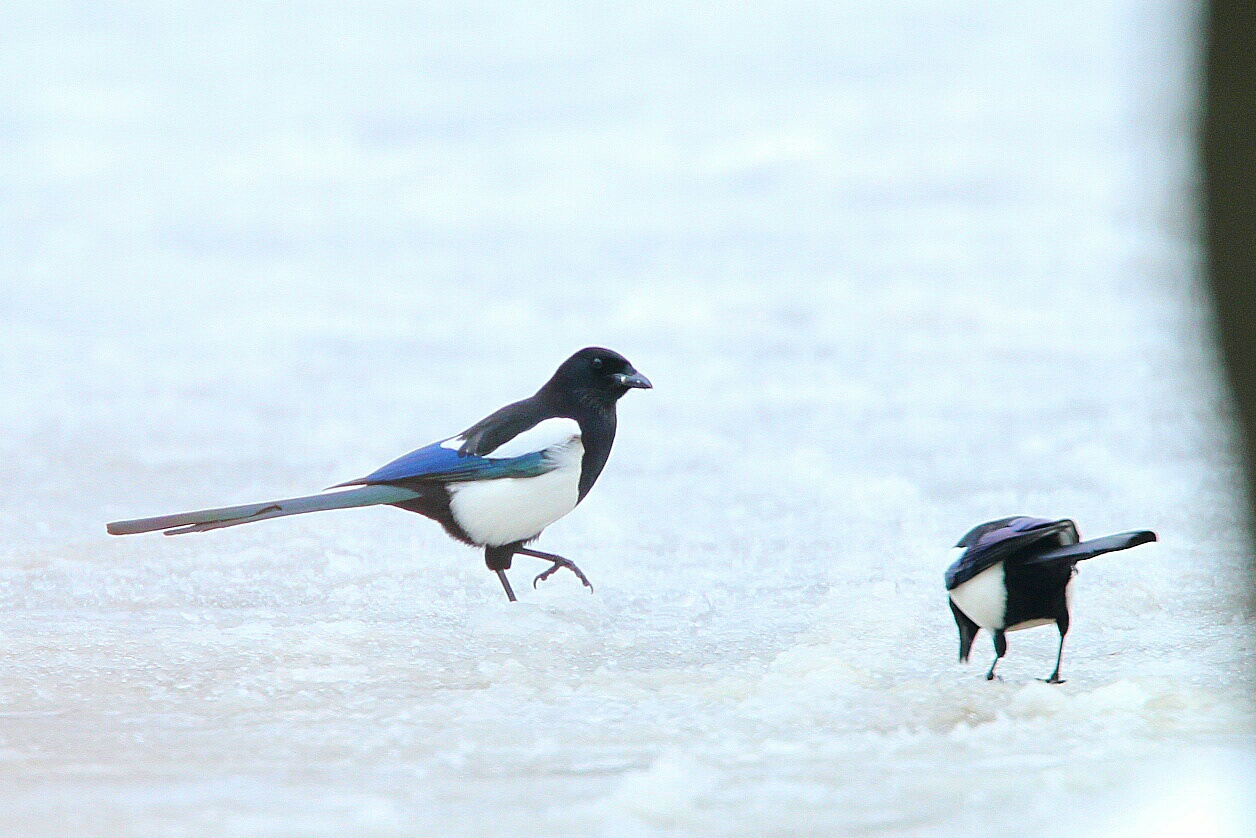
x: 560, y: 563
x: 1054, y: 679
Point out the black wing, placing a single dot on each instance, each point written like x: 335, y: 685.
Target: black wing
x: 500, y: 427
x: 992, y: 542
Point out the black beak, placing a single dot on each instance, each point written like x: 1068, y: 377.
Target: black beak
x: 633, y: 380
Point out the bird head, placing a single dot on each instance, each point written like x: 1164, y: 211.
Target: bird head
x: 596, y: 375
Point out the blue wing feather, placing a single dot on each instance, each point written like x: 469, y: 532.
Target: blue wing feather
x: 437, y: 463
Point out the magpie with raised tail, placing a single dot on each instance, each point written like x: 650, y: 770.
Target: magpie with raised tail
x: 497, y: 485
x: 1017, y: 573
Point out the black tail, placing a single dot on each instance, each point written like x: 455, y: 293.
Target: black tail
x: 1095, y: 547
x: 230, y: 516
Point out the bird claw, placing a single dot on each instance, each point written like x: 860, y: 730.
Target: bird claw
x: 1055, y: 679
x: 570, y: 565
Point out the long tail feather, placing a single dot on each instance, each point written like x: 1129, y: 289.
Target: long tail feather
x: 1094, y: 547
x: 230, y: 516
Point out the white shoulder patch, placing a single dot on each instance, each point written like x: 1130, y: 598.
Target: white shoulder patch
x: 541, y: 436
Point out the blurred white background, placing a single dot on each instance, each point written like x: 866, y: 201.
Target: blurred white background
x: 894, y: 269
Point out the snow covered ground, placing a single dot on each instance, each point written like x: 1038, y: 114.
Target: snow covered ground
x: 894, y: 269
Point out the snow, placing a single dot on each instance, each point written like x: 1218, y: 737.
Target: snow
x: 894, y: 270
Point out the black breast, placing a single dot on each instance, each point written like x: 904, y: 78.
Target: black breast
x: 1036, y: 591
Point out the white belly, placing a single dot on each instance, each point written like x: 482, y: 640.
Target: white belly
x: 983, y: 599
x: 498, y: 512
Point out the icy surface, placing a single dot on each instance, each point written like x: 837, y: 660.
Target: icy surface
x: 894, y: 269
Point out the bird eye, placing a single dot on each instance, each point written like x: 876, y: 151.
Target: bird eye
x: 597, y: 363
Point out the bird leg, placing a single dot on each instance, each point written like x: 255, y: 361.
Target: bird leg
x: 1000, y: 649
x: 498, y: 561
x: 1055, y: 676
x: 967, y: 631
x: 558, y: 561
x: 510, y: 594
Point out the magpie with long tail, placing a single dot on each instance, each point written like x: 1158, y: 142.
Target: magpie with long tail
x: 1017, y: 573
x: 496, y: 485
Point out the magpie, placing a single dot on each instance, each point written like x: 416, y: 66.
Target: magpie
x: 496, y: 485
x: 1017, y: 573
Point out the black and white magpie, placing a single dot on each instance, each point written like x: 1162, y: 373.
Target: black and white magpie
x: 1017, y: 573
x: 496, y: 485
